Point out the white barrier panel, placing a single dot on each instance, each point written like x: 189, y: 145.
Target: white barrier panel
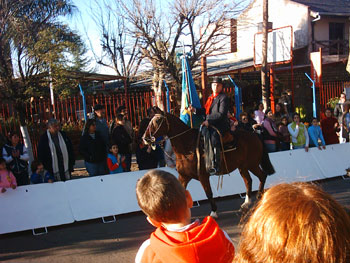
x: 294, y: 165
x: 34, y: 206
x: 102, y: 196
x: 334, y: 160
x: 44, y: 205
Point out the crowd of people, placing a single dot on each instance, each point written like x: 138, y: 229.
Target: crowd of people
x: 295, y: 222
x: 281, y: 130
x: 106, y: 149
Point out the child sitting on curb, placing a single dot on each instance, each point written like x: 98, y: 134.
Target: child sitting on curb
x: 7, y: 179
x: 177, y: 240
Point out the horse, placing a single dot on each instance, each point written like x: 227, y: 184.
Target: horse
x: 249, y: 155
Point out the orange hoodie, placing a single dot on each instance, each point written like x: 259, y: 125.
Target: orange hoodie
x: 200, y: 243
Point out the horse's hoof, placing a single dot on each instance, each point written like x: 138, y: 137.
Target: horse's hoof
x: 214, y: 214
x: 244, y: 207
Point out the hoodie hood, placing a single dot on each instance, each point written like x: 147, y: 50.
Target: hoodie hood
x: 204, y: 243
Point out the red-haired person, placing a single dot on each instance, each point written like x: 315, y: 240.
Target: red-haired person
x: 168, y: 207
x: 330, y: 127
x: 296, y: 223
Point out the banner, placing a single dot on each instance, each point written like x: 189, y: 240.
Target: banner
x: 189, y: 96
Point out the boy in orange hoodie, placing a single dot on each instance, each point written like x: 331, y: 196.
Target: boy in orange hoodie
x: 176, y: 240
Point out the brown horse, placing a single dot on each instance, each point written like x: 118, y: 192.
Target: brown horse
x: 248, y: 156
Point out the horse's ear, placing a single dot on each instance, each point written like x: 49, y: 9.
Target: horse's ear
x: 157, y: 110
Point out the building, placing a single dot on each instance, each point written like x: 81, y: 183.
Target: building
x: 315, y: 24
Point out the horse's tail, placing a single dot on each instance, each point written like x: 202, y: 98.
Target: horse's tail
x: 265, y: 163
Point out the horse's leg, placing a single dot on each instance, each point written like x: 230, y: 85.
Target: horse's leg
x: 262, y: 178
x: 204, y: 179
x: 248, y: 185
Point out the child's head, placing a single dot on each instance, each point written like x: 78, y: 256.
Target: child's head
x: 37, y: 167
x: 113, y: 148
x: 284, y: 121
x: 2, y: 164
x: 296, y: 222
x: 13, y: 138
x: 162, y: 198
x: 314, y: 122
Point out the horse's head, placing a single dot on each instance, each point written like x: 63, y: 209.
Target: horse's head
x: 158, y: 126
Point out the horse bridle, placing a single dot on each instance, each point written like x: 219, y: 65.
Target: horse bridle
x: 152, y: 137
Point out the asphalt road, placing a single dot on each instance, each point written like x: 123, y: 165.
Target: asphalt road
x: 94, y: 241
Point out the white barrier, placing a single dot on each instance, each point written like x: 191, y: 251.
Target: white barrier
x: 44, y: 205
x: 34, y: 206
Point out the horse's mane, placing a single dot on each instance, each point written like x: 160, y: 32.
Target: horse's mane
x: 179, y: 122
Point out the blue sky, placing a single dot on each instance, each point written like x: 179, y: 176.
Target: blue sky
x: 82, y: 22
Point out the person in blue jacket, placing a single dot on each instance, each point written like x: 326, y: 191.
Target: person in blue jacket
x: 315, y: 133
x: 38, y: 174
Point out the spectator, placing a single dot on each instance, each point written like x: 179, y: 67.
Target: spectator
x: 285, y: 136
x: 244, y: 123
x: 279, y: 113
x: 17, y: 157
x: 115, y: 161
x: 259, y: 114
x: 101, y: 124
x: 338, y: 113
x: 286, y: 101
x: 233, y: 121
x: 38, y: 175
x: 346, y: 122
x: 167, y: 206
x: 7, y: 179
x: 93, y: 149
x: 299, y: 134
x: 315, y: 133
x: 251, y: 119
x: 270, y: 132
x: 55, y: 152
x: 121, y: 137
x: 296, y: 223
x: 330, y: 127
x: 145, y: 156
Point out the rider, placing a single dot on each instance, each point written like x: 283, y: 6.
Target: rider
x: 215, y: 109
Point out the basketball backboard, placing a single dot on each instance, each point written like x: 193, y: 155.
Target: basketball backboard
x: 279, y: 47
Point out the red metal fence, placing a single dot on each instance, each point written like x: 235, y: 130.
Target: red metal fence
x: 329, y: 91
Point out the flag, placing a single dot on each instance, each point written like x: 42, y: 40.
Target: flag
x: 189, y: 96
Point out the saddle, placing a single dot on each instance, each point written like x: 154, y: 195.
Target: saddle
x: 229, y: 141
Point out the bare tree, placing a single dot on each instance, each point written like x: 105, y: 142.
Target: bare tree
x: 120, y: 51
x: 160, y: 34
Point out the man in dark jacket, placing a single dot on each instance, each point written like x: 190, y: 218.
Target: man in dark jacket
x: 55, y: 151
x: 215, y: 109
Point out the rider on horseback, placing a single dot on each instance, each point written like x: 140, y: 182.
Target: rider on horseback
x: 215, y: 109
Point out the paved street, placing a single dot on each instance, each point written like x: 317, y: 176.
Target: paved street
x: 93, y: 241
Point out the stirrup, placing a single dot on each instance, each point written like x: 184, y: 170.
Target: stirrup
x: 211, y: 171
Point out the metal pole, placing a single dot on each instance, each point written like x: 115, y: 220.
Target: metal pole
x: 167, y: 96
x: 238, y: 97
x: 313, y: 96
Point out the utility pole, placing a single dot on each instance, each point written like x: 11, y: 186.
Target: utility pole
x: 264, y: 88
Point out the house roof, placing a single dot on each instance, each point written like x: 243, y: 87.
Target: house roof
x: 328, y: 7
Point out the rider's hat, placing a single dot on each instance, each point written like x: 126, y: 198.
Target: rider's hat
x: 217, y: 79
